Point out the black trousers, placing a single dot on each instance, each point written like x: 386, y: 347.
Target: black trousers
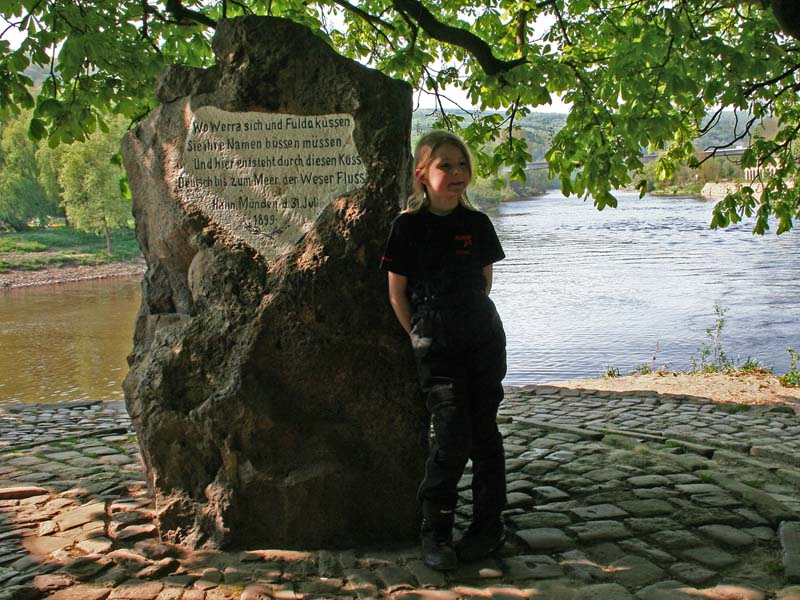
x: 460, y: 353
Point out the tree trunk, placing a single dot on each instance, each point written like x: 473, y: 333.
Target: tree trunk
x: 108, y: 237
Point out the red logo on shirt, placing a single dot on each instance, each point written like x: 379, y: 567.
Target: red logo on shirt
x: 466, y: 240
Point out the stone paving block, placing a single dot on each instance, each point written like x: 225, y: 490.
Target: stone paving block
x: 395, y: 578
x: 647, y: 508
x: 548, y: 493
x: 136, y: 532
x: 691, y: 573
x: 711, y: 557
x: 534, y: 454
x: 537, y: 468
x: 605, y: 474
x: 358, y: 578
x: 52, y: 582
x: 635, y: 572
x: 423, y: 595
x: 656, y: 493
x: 604, y: 591
x: 256, y: 591
x: 642, y: 548
x: 137, y: 590
x: 519, y: 500
x: 649, y: 525
x: 45, y: 545
x: 665, y: 590
x: 425, y: 576
x: 695, y: 516
x: 319, y: 587
x: 728, y: 536
x: 234, y: 594
x: 582, y: 567
x: 165, y: 566
x: 649, y: 481
x: 676, y: 539
x: 682, y: 478
x: 64, y: 456
x: 465, y: 592
x: 789, y: 535
x: 24, y: 461
x: 327, y: 564
x: 520, y: 485
x: 21, y: 492
x: 598, y: 531
x: 538, y: 519
x: 545, y: 539
x: 605, y: 552
x: 520, y: 568
x: 81, y: 592
x: 79, y: 516
x: 728, y: 592
x: 699, y: 488
x: 96, y: 545
x: 598, y: 512
x: 716, y: 500
x: 562, y: 456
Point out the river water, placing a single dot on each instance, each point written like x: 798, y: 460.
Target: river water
x: 583, y: 290
x: 67, y: 341
x: 579, y: 292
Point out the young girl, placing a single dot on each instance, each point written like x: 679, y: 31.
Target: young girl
x: 439, y: 257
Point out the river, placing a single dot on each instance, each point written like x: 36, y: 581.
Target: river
x: 583, y: 290
x: 580, y: 291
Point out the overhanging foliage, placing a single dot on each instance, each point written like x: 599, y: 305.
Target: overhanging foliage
x: 640, y: 75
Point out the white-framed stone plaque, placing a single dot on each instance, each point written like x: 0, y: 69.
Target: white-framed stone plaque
x: 264, y: 178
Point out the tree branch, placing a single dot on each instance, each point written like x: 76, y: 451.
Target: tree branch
x: 182, y: 15
x: 522, y: 32
x: 371, y: 19
x: 456, y: 36
x: 245, y: 9
x: 762, y: 84
x: 712, y: 150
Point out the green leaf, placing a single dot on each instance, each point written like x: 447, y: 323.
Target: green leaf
x: 37, y: 129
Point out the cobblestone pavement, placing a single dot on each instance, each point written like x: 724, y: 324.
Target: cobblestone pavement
x: 611, y: 496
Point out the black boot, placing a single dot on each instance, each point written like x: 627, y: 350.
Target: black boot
x: 481, y: 540
x: 486, y: 534
x: 436, y: 534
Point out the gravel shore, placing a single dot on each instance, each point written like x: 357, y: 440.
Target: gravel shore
x: 24, y: 278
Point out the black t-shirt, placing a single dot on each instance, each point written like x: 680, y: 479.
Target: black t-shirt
x: 442, y: 256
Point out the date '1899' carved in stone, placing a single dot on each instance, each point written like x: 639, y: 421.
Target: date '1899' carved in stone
x: 265, y: 178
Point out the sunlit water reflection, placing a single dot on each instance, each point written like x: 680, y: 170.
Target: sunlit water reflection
x: 583, y: 290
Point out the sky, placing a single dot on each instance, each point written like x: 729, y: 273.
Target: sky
x: 422, y: 101
x: 426, y: 101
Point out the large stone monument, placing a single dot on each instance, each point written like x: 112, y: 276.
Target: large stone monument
x: 272, y: 392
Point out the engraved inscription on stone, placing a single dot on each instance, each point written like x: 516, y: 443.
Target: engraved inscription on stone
x: 265, y: 177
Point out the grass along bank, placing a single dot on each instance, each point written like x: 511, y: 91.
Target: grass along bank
x: 60, y: 246
x: 714, y: 361
x: 60, y: 254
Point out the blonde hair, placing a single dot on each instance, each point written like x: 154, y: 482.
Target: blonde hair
x: 427, y: 145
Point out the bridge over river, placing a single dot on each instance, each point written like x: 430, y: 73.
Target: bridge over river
x: 646, y: 158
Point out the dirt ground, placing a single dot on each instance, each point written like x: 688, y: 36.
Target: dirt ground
x: 741, y: 388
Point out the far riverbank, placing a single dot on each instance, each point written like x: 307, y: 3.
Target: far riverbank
x: 69, y: 274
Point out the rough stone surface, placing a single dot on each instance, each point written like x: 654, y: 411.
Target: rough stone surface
x: 259, y: 386
x: 789, y: 533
